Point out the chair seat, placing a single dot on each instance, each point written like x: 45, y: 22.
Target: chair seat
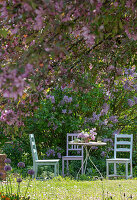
x: 72, y: 157
x: 119, y: 159
x: 47, y: 161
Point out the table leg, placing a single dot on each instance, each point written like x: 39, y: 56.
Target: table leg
x: 85, y: 162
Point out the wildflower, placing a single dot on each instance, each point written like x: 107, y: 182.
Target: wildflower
x: 1, y: 174
x: 7, y: 168
x: 21, y: 164
x: 7, y: 160
x: 31, y: 172
x: 19, y: 180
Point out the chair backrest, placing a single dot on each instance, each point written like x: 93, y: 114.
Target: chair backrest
x: 123, y: 143
x: 71, y: 147
x: 33, y: 147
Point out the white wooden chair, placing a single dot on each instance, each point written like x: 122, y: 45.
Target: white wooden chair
x: 124, y: 145
x: 72, y: 148
x: 37, y: 162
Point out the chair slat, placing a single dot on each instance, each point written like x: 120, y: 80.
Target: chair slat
x: 123, y: 143
x: 123, y: 150
x: 124, y: 136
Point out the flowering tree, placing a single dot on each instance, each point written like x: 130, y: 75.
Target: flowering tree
x: 68, y: 43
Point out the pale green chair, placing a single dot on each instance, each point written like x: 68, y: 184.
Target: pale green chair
x: 123, y: 143
x: 37, y: 162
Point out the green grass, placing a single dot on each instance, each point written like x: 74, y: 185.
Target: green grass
x: 67, y: 189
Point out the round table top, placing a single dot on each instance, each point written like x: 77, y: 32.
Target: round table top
x: 88, y: 144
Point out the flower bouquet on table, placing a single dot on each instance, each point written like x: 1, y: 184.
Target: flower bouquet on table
x: 87, y: 136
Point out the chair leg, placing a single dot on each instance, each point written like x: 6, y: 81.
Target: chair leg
x: 107, y: 165
x: 62, y: 167
x: 82, y: 170
x: 36, y: 170
x: 126, y: 170
x: 58, y: 168
x: 115, y: 168
x: 131, y: 172
x: 55, y: 169
x: 67, y: 167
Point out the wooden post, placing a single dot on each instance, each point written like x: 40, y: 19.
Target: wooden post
x: 2, y: 164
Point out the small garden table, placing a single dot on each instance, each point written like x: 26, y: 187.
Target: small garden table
x: 86, y: 145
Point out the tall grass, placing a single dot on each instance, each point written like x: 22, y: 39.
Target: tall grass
x: 67, y: 189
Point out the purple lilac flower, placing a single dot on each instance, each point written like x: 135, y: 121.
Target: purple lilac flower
x: 86, y: 135
x: 130, y: 102
x: 21, y: 164
x: 53, y: 108
x: 52, y: 99
x: 19, y: 180
x: 64, y: 111
x: 92, y: 131
x: 7, y: 160
x: 110, y: 125
x: 52, y: 152
x: 95, y: 117
x: 8, y: 116
x: 48, y: 154
x: 116, y: 132
x: 81, y: 135
x: 107, y: 140
x: 103, y: 153
x: 31, y: 172
x: 70, y: 112
x: 110, y: 149
x: 59, y: 155
x: 1, y: 174
x: 113, y: 119
x: 135, y: 99
x: 7, y: 168
x: 94, y: 147
x: 55, y: 127
x: 105, y: 108
x: 49, y: 124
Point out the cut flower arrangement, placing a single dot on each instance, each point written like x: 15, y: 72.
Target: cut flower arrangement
x: 86, y: 136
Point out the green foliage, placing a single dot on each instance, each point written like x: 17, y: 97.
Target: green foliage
x: 57, y: 116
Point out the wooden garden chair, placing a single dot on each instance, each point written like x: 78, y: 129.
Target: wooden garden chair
x: 124, y: 145
x: 37, y: 162
x: 72, y: 148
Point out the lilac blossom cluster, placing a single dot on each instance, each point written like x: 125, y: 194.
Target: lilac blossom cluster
x: 54, y: 153
x: 15, y: 83
x: 9, y: 117
x: 52, y: 98
x: 67, y: 99
x: 132, y: 102
x: 91, y: 134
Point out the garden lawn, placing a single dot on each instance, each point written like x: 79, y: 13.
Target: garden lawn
x: 61, y: 188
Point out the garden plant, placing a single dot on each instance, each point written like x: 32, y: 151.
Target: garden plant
x: 67, y: 66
